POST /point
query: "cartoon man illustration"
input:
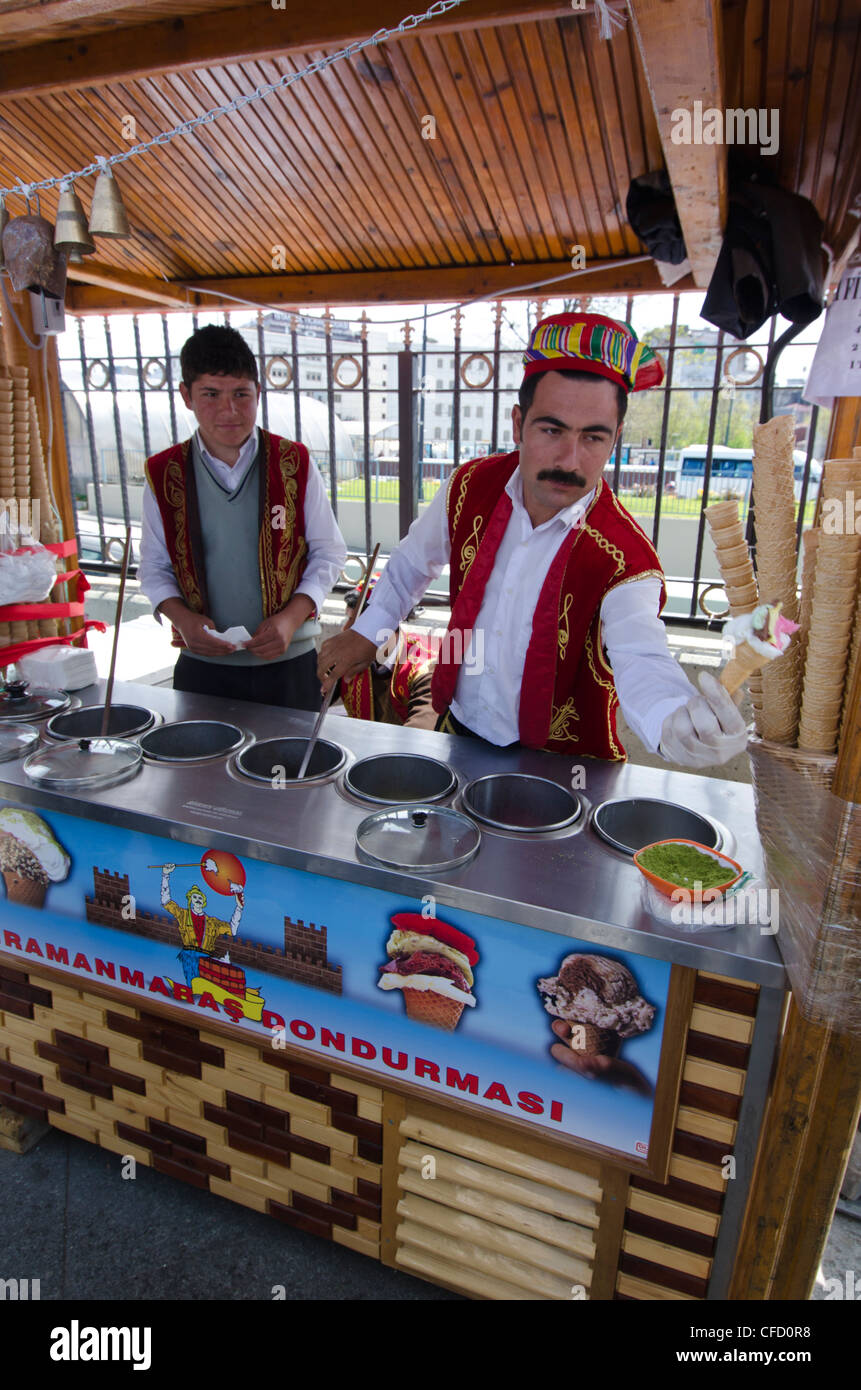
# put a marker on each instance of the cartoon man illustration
(197, 931)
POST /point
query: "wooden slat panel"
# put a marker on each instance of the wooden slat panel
(568, 1235)
(674, 1213)
(499, 1156)
(692, 1194)
(725, 994)
(529, 1194)
(667, 1255)
(492, 1237)
(514, 1273)
(642, 1289)
(710, 1126)
(700, 1174)
(708, 1099)
(713, 1075)
(717, 1023)
(666, 1231)
(670, 1278)
(454, 1276)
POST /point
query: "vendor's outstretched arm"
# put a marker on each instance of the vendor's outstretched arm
(420, 557)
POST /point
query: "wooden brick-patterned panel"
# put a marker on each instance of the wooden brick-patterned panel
(300, 1143)
(671, 1229)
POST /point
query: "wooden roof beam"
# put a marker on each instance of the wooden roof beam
(457, 284)
(232, 36)
(158, 294)
(680, 48)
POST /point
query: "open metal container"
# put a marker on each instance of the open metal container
(629, 824)
(124, 721)
(515, 801)
(396, 779)
(276, 761)
(191, 741)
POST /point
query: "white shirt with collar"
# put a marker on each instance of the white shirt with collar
(326, 549)
(649, 682)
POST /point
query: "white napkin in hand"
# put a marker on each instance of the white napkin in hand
(236, 636)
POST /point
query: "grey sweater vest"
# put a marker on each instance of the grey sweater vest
(230, 533)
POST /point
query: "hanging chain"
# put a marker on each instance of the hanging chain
(440, 7)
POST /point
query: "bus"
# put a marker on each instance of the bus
(732, 471)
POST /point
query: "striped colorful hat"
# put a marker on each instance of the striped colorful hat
(592, 343)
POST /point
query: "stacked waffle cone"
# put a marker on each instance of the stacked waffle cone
(833, 610)
(736, 570)
(776, 564)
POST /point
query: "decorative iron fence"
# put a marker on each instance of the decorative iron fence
(387, 423)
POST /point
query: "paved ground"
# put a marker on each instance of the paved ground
(85, 1233)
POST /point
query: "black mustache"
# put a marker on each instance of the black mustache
(559, 475)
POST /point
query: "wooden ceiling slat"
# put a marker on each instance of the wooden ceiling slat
(845, 190)
(753, 53)
(300, 208)
(533, 93)
(405, 163)
(593, 142)
(629, 144)
(793, 115)
(586, 224)
(506, 128)
(527, 133)
(189, 170)
(835, 100)
(426, 74)
(602, 57)
(448, 57)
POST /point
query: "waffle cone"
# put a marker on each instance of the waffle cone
(596, 1042)
(29, 892)
(436, 1010)
(781, 689)
(741, 664)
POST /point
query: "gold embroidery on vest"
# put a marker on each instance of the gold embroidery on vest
(560, 721)
(175, 496)
(564, 634)
(604, 544)
(469, 551)
(461, 496)
(605, 685)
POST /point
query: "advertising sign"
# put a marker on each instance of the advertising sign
(555, 1032)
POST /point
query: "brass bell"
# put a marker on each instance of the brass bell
(107, 214)
(71, 233)
(4, 218)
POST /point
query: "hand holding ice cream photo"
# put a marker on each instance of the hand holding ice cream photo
(597, 1004)
(760, 637)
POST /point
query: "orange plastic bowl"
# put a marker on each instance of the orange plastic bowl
(734, 870)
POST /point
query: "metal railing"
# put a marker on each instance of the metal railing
(386, 424)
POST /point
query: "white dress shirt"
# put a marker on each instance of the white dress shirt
(326, 549)
(649, 682)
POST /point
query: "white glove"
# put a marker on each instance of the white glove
(707, 730)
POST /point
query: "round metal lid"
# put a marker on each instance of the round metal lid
(16, 740)
(124, 721)
(395, 778)
(191, 740)
(277, 760)
(632, 823)
(86, 765)
(517, 801)
(19, 700)
(420, 839)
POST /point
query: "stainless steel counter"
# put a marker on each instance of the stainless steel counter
(569, 882)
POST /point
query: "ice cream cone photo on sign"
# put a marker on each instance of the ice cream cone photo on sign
(31, 858)
(431, 962)
(596, 1004)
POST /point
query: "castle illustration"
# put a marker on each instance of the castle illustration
(303, 958)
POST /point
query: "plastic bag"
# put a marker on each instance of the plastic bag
(27, 569)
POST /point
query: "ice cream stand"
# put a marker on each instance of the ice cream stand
(598, 1101)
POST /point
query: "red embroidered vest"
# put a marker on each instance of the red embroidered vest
(414, 655)
(282, 548)
(568, 700)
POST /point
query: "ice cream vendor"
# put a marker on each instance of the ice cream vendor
(555, 590)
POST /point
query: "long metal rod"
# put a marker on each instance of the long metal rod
(110, 686)
(318, 722)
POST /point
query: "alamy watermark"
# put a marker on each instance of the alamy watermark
(19, 514)
(735, 126)
(713, 907)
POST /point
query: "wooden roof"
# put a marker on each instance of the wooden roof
(540, 126)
